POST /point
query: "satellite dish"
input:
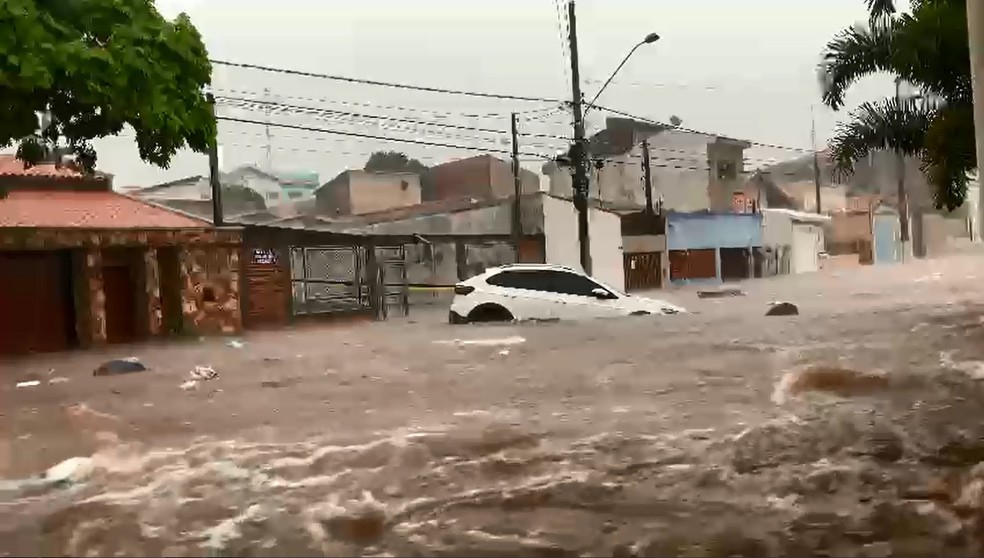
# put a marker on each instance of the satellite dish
(675, 121)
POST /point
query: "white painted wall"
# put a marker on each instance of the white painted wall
(560, 232)
(807, 244)
(607, 263)
(561, 243)
(265, 186)
(777, 228)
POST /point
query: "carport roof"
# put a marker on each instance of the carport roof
(100, 209)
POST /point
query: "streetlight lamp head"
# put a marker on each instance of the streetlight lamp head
(651, 38)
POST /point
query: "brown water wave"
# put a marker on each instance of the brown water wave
(889, 470)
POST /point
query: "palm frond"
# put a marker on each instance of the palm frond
(855, 53)
(880, 8)
(927, 48)
(931, 49)
(949, 154)
(890, 125)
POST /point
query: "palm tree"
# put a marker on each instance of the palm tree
(927, 48)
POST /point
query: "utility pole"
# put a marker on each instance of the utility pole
(648, 174)
(579, 149)
(213, 173)
(517, 217)
(902, 195)
(816, 156)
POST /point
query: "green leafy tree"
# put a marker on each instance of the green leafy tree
(394, 161)
(93, 67)
(929, 49)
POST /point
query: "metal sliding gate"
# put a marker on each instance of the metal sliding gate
(335, 279)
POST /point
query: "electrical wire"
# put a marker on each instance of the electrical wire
(307, 111)
(435, 113)
(426, 158)
(445, 91)
(372, 136)
(299, 108)
(699, 132)
(394, 85)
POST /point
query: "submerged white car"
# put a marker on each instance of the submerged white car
(544, 292)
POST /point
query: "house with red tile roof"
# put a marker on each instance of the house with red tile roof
(82, 265)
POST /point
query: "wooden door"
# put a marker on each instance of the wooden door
(119, 286)
(702, 264)
(530, 251)
(267, 294)
(36, 303)
(642, 271)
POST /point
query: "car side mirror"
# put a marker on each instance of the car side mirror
(601, 293)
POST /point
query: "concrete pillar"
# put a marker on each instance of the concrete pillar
(975, 31)
(717, 263)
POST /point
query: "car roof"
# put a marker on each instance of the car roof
(530, 266)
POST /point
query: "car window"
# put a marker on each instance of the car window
(563, 282)
(531, 280)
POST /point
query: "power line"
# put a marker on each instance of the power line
(445, 91)
(304, 110)
(435, 113)
(434, 159)
(373, 137)
(417, 131)
(656, 84)
(385, 117)
(699, 132)
(393, 85)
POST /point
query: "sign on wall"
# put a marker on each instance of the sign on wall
(264, 256)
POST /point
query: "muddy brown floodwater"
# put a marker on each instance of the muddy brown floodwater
(854, 429)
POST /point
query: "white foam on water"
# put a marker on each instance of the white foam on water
(495, 342)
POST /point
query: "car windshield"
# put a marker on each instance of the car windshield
(617, 292)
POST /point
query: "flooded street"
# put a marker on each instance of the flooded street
(853, 429)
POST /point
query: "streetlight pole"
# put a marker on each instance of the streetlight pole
(579, 150)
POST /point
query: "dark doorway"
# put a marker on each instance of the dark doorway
(120, 288)
(168, 265)
(734, 264)
(37, 305)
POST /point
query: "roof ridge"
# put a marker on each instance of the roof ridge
(164, 207)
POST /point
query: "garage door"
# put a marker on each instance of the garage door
(693, 264)
(35, 302)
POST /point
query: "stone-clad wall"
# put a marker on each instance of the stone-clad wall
(97, 298)
(210, 290)
(208, 267)
(155, 312)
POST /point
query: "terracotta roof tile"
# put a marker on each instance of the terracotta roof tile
(12, 166)
(88, 210)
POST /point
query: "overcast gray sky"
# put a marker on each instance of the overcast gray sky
(743, 69)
